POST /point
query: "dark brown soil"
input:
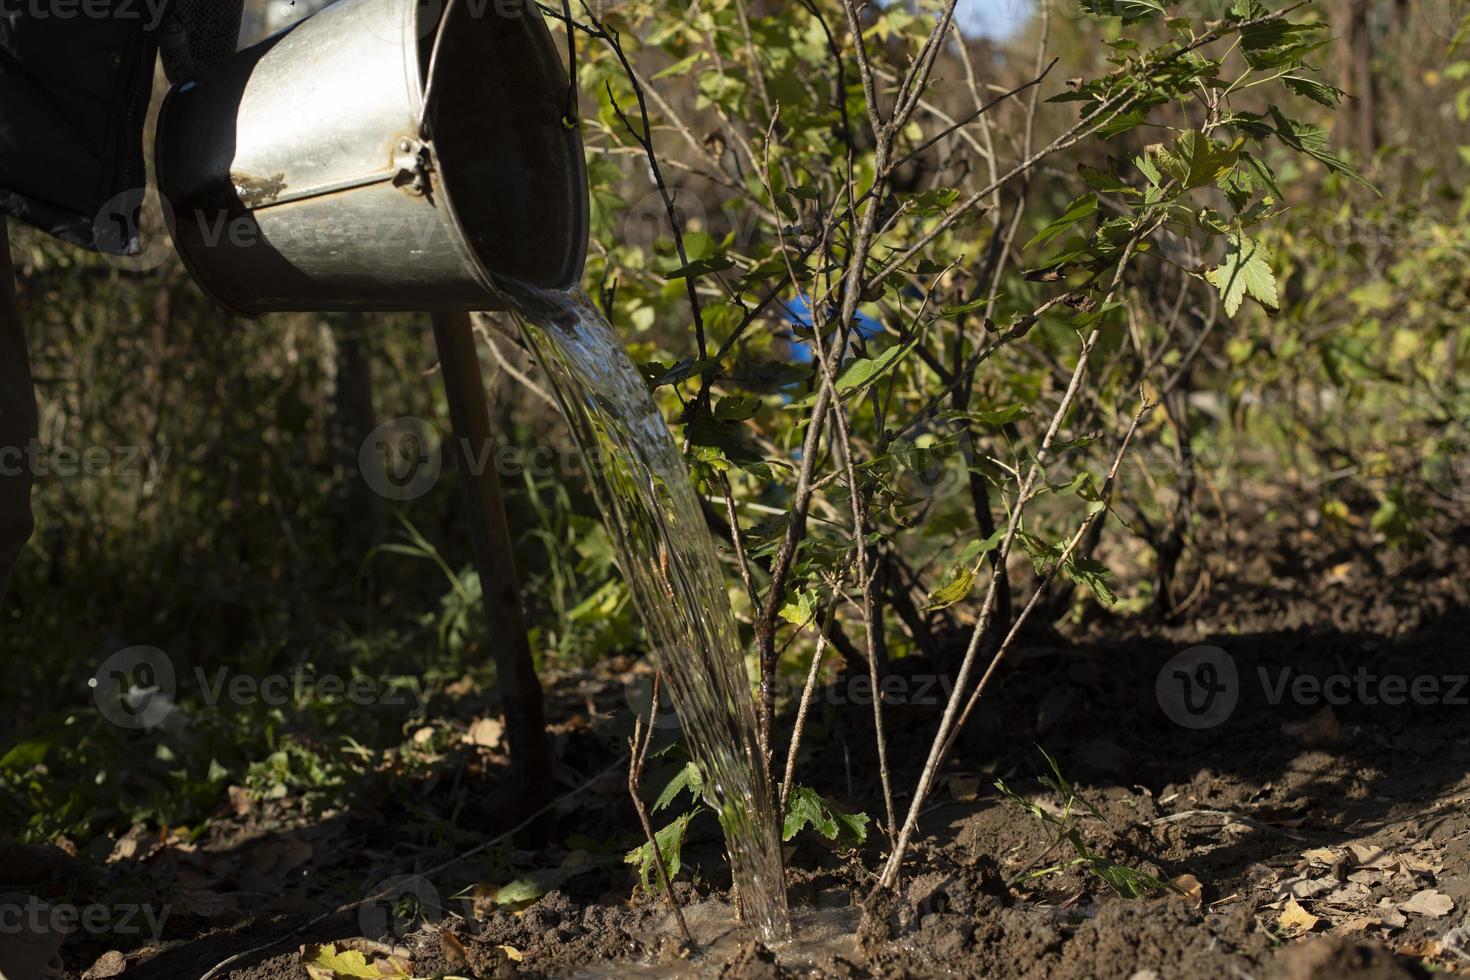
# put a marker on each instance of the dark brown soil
(1306, 839)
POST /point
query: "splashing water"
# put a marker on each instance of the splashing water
(668, 557)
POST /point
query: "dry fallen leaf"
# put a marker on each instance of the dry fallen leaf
(1429, 903)
(1190, 889)
(1391, 916)
(1370, 856)
(1351, 893)
(1321, 727)
(1295, 920)
(486, 732)
(241, 802)
(109, 964)
(1305, 887)
(1321, 855)
(453, 950)
(1358, 923)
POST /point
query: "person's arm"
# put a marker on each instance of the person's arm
(17, 422)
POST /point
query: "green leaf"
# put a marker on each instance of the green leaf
(670, 846)
(1129, 10)
(950, 312)
(800, 611)
(984, 546)
(1094, 574)
(1311, 88)
(1004, 415)
(1312, 140)
(656, 375)
(1076, 211)
(686, 778)
(529, 887)
(1196, 160)
(809, 808)
(956, 589)
(681, 67)
(701, 267)
(736, 408)
(1245, 271)
(1277, 43)
(860, 373)
(934, 201)
(1123, 122)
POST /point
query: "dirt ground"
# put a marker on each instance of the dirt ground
(1305, 839)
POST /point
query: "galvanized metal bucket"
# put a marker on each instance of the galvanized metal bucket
(379, 156)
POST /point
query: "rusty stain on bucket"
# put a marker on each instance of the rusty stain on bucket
(258, 192)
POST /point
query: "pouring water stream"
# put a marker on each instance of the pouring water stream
(666, 553)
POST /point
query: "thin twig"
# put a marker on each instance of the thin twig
(637, 757)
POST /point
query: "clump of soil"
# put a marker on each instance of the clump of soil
(1340, 958)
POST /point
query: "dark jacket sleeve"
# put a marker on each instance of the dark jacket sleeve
(75, 81)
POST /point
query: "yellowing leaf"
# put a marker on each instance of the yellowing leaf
(957, 589)
(1295, 920)
(1190, 889)
(1245, 271)
(329, 963)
